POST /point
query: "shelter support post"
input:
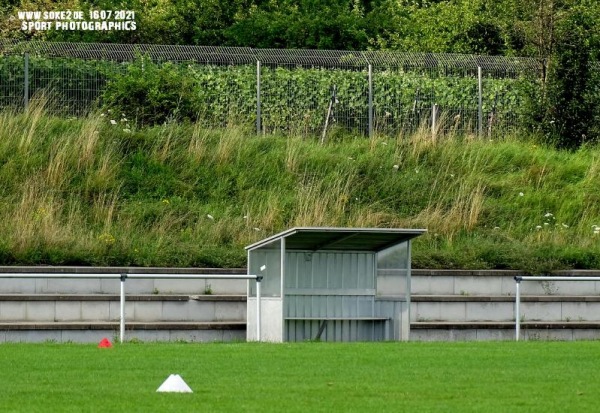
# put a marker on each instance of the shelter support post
(258, 302)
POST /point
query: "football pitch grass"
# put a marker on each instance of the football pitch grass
(303, 377)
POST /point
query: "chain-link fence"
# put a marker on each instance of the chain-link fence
(299, 91)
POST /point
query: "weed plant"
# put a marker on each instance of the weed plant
(98, 191)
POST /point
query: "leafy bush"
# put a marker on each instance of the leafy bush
(152, 93)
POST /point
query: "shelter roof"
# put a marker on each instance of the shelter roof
(340, 239)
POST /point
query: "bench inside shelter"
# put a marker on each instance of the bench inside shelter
(332, 284)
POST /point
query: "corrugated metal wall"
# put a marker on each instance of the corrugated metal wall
(331, 284)
(330, 270)
(345, 330)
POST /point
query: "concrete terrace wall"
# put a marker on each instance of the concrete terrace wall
(88, 309)
(497, 282)
(445, 305)
(480, 305)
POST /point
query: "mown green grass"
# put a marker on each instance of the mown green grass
(90, 192)
(327, 377)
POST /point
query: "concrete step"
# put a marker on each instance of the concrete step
(93, 332)
(498, 282)
(504, 298)
(459, 308)
(113, 286)
(106, 307)
(474, 331)
(105, 325)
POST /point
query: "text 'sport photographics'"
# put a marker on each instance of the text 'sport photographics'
(75, 20)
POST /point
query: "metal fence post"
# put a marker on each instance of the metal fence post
(258, 114)
(122, 310)
(26, 82)
(370, 101)
(518, 308)
(480, 102)
(434, 110)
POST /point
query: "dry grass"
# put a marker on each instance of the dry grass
(197, 146)
(321, 203)
(85, 191)
(462, 214)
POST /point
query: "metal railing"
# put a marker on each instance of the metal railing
(519, 279)
(286, 90)
(124, 276)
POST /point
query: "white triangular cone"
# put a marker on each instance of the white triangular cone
(174, 384)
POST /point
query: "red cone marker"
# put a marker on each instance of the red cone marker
(105, 343)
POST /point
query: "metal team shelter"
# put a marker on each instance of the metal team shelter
(331, 284)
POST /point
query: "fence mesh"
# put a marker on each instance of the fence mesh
(300, 91)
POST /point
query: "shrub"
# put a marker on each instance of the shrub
(152, 93)
(572, 99)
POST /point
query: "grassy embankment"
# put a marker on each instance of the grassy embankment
(300, 377)
(87, 191)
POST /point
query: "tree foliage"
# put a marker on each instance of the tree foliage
(561, 34)
(573, 97)
(510, 27)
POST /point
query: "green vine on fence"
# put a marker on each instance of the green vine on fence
(293, 99)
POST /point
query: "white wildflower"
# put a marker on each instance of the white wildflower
(113, 122)
(521, 194)
(565, 225)
(547, 214)
(127, 130)
(256, 229)
(538, 227)
(209, 216)
(396, 167)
